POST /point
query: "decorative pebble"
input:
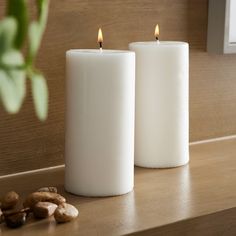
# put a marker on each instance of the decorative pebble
(44, 209)
(9, 200)
(14, 211)
(15, 221)
(48, 189)
(36, 197)
(1, 216)
(43, 203)
(65, 212)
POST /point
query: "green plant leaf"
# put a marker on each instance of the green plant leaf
(18, 10)
(12, 81)
(37, 28)
(34, 39)
(12, 58)
(13, 69)
(8, 28)
(43, 12)
(19, 79)
(40, 96)
(12, 89)
(8, 95)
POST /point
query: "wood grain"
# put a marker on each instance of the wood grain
(196, 199)
(219, 223)
(26, 144)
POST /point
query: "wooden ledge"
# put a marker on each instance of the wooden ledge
(199, 198)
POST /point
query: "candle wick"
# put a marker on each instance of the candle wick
(157, 39)
(100, 45)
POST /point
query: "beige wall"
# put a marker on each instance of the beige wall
(25, 143)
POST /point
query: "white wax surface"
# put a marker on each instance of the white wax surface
(162, 111)
(100, 122)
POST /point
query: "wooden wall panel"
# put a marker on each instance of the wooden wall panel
(26, 143)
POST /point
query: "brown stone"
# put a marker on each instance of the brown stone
(9, 200)
(48, 189)
(15, 221)
(17, 210)
(1, 216)
(65, 212)
(44, 209)
(36, 197)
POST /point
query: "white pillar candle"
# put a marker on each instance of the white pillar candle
(100, 122)
(162, 112)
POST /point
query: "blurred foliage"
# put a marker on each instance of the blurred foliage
(16, 31)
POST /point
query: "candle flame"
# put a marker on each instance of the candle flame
(100, 37)
(157, 32)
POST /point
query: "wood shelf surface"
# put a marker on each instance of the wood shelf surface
(194, 198)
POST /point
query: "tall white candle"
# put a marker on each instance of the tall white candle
(100, 122)
(162, 111)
